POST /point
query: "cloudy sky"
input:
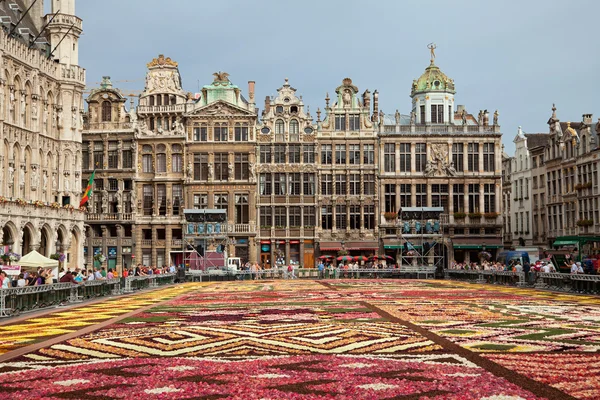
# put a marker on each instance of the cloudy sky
(515, 56)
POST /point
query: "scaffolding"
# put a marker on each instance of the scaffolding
(205, 239)
(422, 237)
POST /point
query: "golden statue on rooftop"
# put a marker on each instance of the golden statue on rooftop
(432, 47)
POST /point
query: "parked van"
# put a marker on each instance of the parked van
(509, 257)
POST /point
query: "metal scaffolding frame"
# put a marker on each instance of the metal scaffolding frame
(422, 236)
(210, 227)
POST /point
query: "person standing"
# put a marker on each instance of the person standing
(321, 269)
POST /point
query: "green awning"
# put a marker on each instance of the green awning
(399, 246)
(565, 243)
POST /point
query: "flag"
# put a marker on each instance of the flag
(88, 190)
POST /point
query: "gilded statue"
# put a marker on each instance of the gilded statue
(432, 47)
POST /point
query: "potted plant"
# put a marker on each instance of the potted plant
(585, 222)
(459, 215)
(342, 252)
(475, 215)
(100, 257)
(390, 216)
(491, 215)
(58, 256)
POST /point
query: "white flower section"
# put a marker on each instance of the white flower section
(271, 376)
(71, 382)
(461, 375)
(161, 390)
(502, 397)
(356, 365)
(181, 368)
(377, 386)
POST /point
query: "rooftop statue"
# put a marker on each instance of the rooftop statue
(221, 76)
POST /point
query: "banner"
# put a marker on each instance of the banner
(13, 270)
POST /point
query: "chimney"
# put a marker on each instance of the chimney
(460, 108)
(587, 119)
(375, 106)
(267, 104)
(251, 91)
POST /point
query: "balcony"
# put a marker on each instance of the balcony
(241, 228)
(172, 108)
(146, 242)
(106, 126)
(176, 243)
(64, 19)
(109, 217)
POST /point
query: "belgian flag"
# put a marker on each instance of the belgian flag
(88, 190)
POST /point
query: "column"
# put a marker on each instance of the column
(498, 192)
(480, 152)
(466, 198)
(413, 195)
(168, 241)
(302, 255)
(412, 158)
(397, 157)
(137, 248)
(429, 195)
(450, 198)
(154, 239)
(287, 251)
(481, 202)
(397, 191)
(119, 265)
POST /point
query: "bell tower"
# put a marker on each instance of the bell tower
(68, 26)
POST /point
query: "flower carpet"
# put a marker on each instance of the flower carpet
(345, 339)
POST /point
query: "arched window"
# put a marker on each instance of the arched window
(294, 127)
(106, 111)
(279, 126)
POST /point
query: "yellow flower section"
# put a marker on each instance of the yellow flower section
(34, 330)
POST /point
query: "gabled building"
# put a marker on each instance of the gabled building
(521, 204)
(287, 181)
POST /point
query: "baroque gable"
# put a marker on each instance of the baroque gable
(220, 109)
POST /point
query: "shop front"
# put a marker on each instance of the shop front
(362, 250)
(469, 250)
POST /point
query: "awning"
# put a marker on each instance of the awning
(565, 243)
(400, 246)
(328, 246)
(477, 246)
(477, 243)
(361, 245)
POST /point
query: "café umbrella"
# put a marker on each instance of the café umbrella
(325, 257)
(345, 258)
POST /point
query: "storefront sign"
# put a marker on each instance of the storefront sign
(265, 247)
(112, 252)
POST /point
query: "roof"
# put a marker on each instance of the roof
(27, 30)
(433, 79)
(536, 140)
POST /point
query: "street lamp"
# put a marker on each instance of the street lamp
(9, 243)
(58, 245)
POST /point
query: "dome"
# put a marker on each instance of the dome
(432, 80)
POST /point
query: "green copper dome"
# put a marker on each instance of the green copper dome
(432, 80)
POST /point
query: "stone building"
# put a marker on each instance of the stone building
(521, 204)
(348, 165)
(108, 149)
(536, 144)
(220, 152)
(287, 181)
(158, 189)
(507, 164)
(41, 101)
(442, 156)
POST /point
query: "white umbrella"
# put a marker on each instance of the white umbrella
(35, 259)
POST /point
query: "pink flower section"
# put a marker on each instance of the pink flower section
(297, 377)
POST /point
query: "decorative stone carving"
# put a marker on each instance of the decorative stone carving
(35, 180)
(119, 199)
(22, 176)
(11, 175)
(104, 201)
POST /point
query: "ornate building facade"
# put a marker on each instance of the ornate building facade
(287, 181)
(41, 101)
(442, 156)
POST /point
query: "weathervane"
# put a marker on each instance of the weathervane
(432, 47)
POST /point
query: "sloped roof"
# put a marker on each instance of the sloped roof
(536, 139)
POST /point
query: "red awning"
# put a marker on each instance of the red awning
(362, 245)
(265, 242)
(328, 246)
(294, 241)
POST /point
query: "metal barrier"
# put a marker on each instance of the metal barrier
(487, 276)
(16, 300)
(577, 283)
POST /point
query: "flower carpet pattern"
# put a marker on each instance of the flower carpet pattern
(359, 339)
(33, 330)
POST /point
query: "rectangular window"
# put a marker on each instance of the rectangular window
(220, 133)
(309, 217)
(354, 184)
(113, 184)
(326, 217)
(177, 198)
(127, 159)
(422, 120)
(200, 134)
(294, 153)
(200, 201)
(405, 195)
(161, 162)
(458, 197)
(326, 184)
(405, 157)
(85, 159)
(340, 185)
(421, 190)
(340, 216)
(280, 154)
(437, 114)
(354, 122)
(309, 184)
(473, 157)
(147, 163)
(221, 201)
(241, 133)
(148, 194)
(265, 154)
(280, 217)
(369, 154)
(266, 217)
(458, 150)
(489, 164)
(98, 155)
(177, 162)
(369, 184)
(369, 217)
(241, 166)
(241, 208)
(340, 122)
(420, 156)
(265, 184)
(113, 155)
(279, 184)
(474, 198)
(161, 198)
(326, 154)
(340, 154)
(354, 217)
(221, 166)
(308, 151)
(389, 157)
(390, 197)
(295, 217)
(294, 184)
(439, 196)
(489, 198)
(354, 154)
(200, 166)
